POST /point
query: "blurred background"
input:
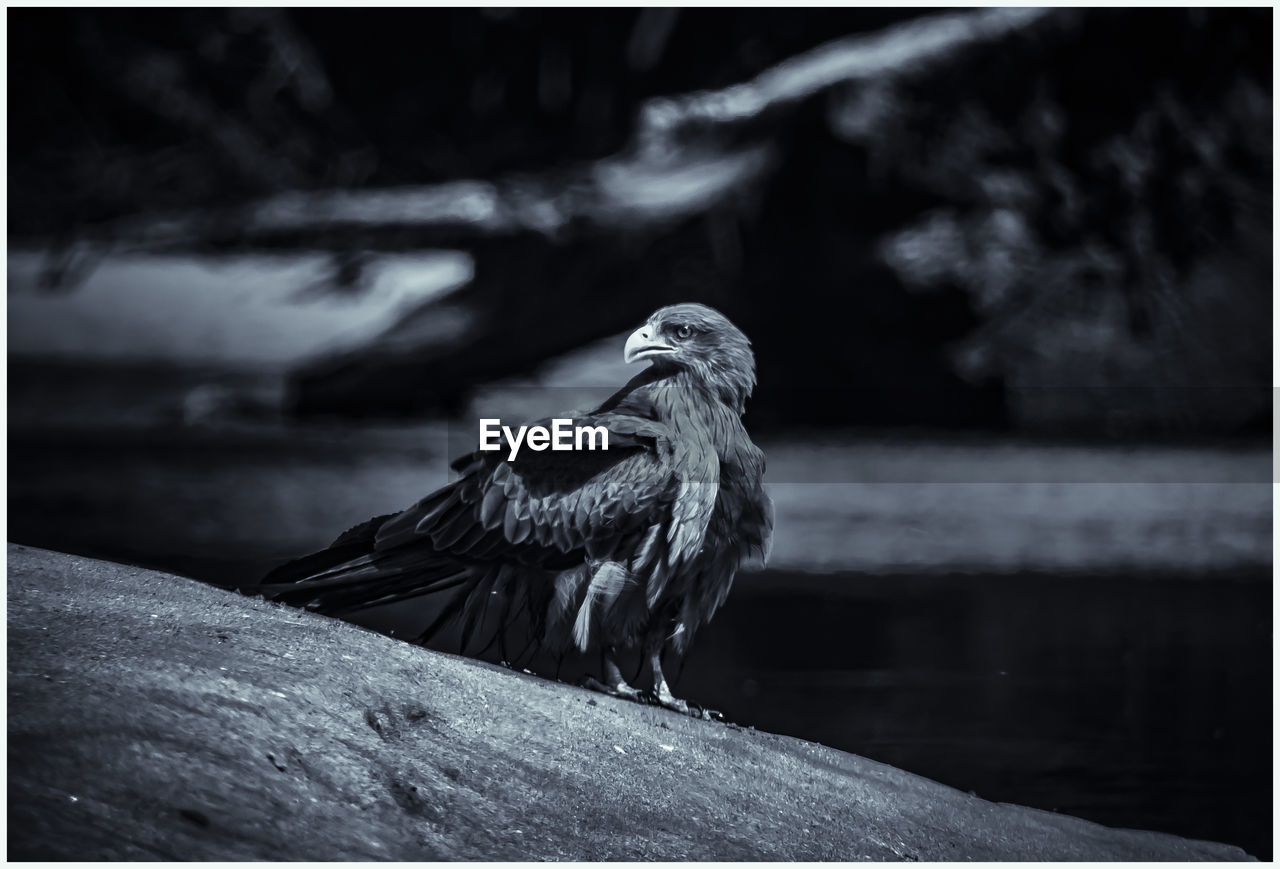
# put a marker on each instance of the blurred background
(1008, 274)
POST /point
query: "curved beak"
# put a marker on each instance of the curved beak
(642, 344)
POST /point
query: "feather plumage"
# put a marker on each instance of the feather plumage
(634, 546)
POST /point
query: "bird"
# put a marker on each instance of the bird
(632, 548)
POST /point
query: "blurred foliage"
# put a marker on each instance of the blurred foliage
(1078, 222)
(1106, 210)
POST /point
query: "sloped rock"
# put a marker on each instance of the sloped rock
(156, 717)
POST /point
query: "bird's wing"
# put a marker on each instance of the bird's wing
(536, 534)
(547, 509)
(509, 536)
(527, 533)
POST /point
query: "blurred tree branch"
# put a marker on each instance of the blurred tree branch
(912, 48)
(687, 180)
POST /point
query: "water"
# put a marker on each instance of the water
(1134, 701)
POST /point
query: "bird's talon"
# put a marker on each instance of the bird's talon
(668, 700)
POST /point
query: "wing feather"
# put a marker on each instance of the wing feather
(618, 540)
(546, 506)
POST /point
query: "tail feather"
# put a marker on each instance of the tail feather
(368, 580)
(301, 569)
(439, 585)
(352, 575)
(360, 570)
(476, 607)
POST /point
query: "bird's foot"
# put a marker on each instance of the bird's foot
(622, 689)
(661, 697)
(664, 698)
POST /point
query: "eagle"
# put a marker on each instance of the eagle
(630, 549)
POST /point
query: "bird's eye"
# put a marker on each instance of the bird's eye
(684, 331)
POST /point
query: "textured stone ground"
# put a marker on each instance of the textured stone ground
(153, 717)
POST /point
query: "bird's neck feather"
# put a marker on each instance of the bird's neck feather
(703, 385)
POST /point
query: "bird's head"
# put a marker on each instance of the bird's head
(699, 340)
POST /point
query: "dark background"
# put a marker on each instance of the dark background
(1009, 302)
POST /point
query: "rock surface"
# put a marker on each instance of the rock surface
(154, 717)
